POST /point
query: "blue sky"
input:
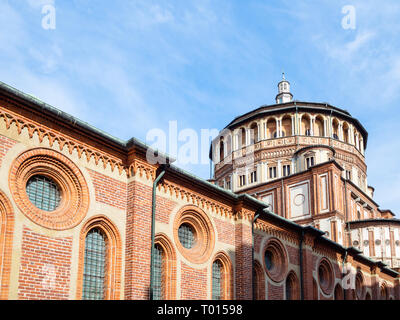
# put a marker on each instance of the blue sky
(130, 66)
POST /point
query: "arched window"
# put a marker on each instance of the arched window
(383, 292)
(315, 290)
(338, 292)
(242, 137)
(258, 282)
(346, 132)
(221, 149)
(164, 276)
(217, 280)
(159, 280)
(360, 289)
(292, 287)
(287, 126)
(335, 129)
(99, 269)
(254, 133)
(319, 127)
(271, 128)
(94, 272)
(6, 232)
(221, 278)
(305, 125)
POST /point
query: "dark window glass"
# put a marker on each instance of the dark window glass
(43, 192)
(94, 268)
(268, 260)
(158, 285)
(216, 280)
(186, 236)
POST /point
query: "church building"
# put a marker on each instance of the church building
(288, 214)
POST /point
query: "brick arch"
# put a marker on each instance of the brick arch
(338, 292)
(227, 275)
(292, 284)
(258, 282)
(113, 256)
(169, 265)
(6, 234)
(65, 173)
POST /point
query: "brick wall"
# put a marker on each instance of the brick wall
(108, 190)
(225, 231)
(293, 255)
(138, 241)
(164, 209)
(243, 255)
(5, 145)
(44, 272)
(275, 292)
(193, 283)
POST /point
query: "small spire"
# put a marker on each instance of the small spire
(284, 94)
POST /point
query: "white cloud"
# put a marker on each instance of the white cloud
(40, 3)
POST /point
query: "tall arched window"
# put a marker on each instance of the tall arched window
(319, 127)
(254, 133)
(99, 269)
(158, 293)
(338, 292)
(6, 232)
(164, 285)
(94, 272)
(271, 128)
(221, 278)
(221, 149)
(286, 126)
(258, 282)
(292, 287)
(315, 290)
(217, 280)
(305, 125)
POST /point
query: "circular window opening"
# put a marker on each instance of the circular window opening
(275, 260)
(359, 286)
(187, 236)
(43, 193)
(325, 275)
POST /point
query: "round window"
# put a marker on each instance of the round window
(43, 193)
(49, 189)
(325, 275)
(275, 260)
(187, 236)
(194, 234)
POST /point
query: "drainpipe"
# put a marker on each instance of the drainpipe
(301, 265)
(344, 261)
(252, 253)
(153, 222)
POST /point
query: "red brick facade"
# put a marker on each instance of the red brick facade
(47, 249)
(44, 271)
